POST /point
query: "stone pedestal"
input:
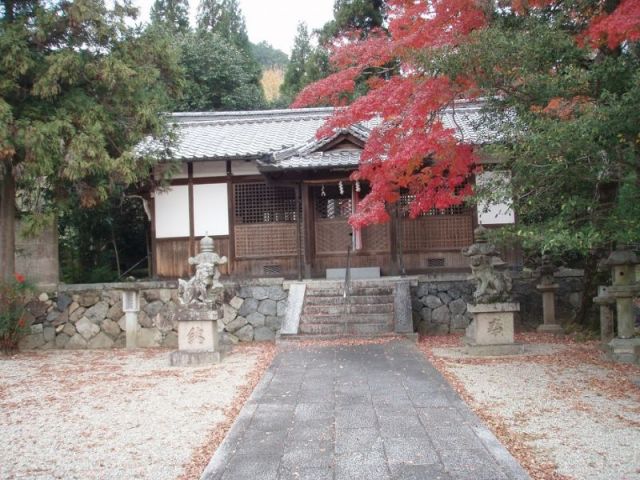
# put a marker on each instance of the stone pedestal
(550, 324)
(491, 331)
(198, 341)
(625, 350)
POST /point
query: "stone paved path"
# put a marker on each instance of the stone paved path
(358, 412)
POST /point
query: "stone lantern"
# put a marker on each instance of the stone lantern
(624, 287)
(548, 287)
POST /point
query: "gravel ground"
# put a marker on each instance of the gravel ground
(112, 414)
(565, 411)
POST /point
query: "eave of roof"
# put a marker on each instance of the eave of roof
(313, 161)
(288, 133)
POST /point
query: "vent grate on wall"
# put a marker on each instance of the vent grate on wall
(435, 262)
(272, 269)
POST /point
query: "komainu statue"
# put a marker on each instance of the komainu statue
(204, 287)
(492, 284)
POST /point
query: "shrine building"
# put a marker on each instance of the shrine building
(276, 200)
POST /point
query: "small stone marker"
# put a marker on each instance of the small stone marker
(131, 307)
(548, 289)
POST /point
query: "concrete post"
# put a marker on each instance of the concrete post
(131, 307)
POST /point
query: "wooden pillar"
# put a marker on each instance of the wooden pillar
(309, 240)
(191, 210)
(232, 209)
(393, 240)
(297, 189)
(152, 232)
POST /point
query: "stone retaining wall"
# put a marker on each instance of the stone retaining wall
(91, 316)
(440, 304)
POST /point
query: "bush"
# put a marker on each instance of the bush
(13, 296)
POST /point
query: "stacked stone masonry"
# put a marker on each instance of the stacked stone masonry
(81, 317)
(90, 316)
(440, 305)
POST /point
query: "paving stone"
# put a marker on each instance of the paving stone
(399, 451)
(370, 465)
(309, 457)
(356, 439)
(300, 472)
(356, 417)
(264, 467)
(419, 472)
(401, 426)
(403, 422)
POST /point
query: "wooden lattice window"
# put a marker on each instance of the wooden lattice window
(330, 203)
(261, 203)
(405, 200)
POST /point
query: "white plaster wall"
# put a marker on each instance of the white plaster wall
(181, 172)
(494, 213)
(211, 212)
(172, 212)
(209, 169)
(242, 167)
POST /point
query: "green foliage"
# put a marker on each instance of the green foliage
(268, 56)
(569, 123)
(310, 63)
(225, 18)
(218, 75)
(172, 15)
(13, 294)
(99, 244)
(348, 15)
(295, 77)
(80, 89)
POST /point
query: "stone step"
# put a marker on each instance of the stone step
(344, 329)
(293, 339)
(347, 309)
(353, 300)
(378, 318)
(354, 291)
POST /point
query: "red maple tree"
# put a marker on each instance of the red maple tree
(409, 148)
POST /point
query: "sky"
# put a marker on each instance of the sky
(274, 21)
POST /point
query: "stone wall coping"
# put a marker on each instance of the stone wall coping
(494, 307)
(443, 277)
(84, 287)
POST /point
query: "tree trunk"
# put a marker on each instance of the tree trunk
(7, 221)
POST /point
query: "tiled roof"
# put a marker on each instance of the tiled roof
(285, 134)
(244, 134)
(330, 159)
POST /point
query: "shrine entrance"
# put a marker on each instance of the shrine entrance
(332, 234)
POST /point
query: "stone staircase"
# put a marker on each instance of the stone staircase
(368, 311)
